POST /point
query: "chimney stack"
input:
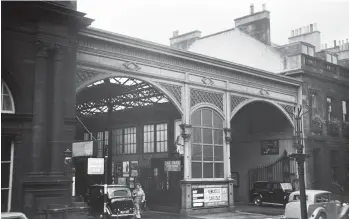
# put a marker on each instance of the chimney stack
(325, 45)
(311, 27)
(334, 43)
(252, 9)
(263, 7)
(175, 33)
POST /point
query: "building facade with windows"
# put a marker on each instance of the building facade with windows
(325, 89)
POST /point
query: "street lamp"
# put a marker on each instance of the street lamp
(300, 157)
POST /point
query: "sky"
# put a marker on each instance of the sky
(155, 20)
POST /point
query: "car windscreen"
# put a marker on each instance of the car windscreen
(286, 186)
(119, 192)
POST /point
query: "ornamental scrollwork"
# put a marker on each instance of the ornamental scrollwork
(175, 90)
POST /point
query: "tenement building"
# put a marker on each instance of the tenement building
(324, 73)
(204, 117)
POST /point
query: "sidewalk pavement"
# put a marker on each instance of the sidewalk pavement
(236, 215)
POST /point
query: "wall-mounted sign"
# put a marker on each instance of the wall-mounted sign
(209, 197)
(269, 147)
(82, 149)
(95, 166)
(172, 165)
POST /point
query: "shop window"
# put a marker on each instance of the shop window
(334, 164)
(149, 139)
(345, 108)
(124, 141)
(6, 174)
(207, 144)
(155, 138)
(329, 108)
(7, 103)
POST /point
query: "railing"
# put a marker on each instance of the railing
(322, 67)
(280, 170)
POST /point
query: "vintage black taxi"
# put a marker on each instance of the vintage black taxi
(119, 202)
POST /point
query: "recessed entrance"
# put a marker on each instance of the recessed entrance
(261, 135)
(140, 127)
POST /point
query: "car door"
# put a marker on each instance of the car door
(324, 200)
(267, 192)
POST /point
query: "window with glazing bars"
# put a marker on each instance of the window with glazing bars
(155, 135)
(207, 144)
(125, 141)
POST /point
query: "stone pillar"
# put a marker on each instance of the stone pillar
(57, 113)
(39, 109)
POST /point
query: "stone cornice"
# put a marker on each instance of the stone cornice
(318, 76)
(114, 38)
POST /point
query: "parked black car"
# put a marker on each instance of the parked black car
(119, 201)
(270, 192)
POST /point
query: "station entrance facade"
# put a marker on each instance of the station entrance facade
(168, 117)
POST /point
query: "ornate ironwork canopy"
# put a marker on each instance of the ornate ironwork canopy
(117, 93)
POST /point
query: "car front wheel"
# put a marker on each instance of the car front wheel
(257, 201)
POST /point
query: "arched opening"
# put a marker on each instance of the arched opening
(207, 145)
(139, 125)
(7, 151)
(261, 135)
(7, 102)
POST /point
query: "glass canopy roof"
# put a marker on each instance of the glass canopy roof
(117, 93)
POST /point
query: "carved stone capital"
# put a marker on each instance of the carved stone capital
(58, 52)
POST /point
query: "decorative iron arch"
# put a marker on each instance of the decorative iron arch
(155, 85)
(209, 106)
(7, 99)
(248, 101)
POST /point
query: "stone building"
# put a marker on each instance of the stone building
(325, 88)
(186, 124)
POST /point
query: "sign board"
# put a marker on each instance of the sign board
(172, 165)
(95, 166)
(209, 197)
(269, 147)
(83, 149)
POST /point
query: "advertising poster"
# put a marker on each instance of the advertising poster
(95, 166)
(118, 169)
(126, 168)
(134, 173)
(209, 197)
(122, 181)
(134, 165)
(172, 165)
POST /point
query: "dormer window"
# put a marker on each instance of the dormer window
(331, 58)
(308, 50)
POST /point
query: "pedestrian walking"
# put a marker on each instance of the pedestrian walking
(139, 199)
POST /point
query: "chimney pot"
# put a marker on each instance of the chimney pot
(300, 31)
(339, 43)
(325, 45)
(175, 33)
(315, 27)
(263, 7)
(311, 27)
(334, 43)
(252, 9)
(292, 33)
